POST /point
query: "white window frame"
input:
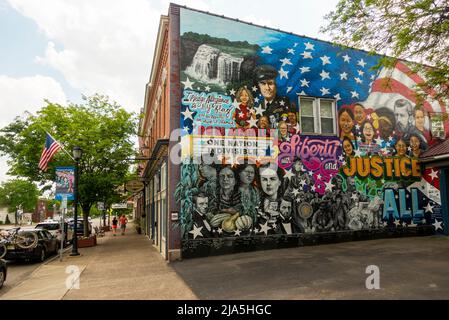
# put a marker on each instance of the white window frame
(316, 104)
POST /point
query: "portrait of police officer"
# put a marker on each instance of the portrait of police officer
(275, 108)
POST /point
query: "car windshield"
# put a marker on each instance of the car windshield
(48, 226)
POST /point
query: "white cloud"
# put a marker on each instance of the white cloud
(20, 94)
(99, 46)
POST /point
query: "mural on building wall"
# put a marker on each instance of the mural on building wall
(284, 134)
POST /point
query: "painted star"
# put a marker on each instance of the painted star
(254, 89)
(313, 188)
(264, 227)
(360, 72)
(309, 46)
(344, 76)
(187, 114)
(358, 153)
(307, 55)
(319, 176)
(259, 110)
(354, 197)
(220, 230)
(337, 97)
(437, 225)
(252, 122)
(285, 61)
(325, 60)
(346, 58)
(433, 174)
(256, 100)
(390, 138)
(283, 73)
(267, 50)
(302, 93)
(310, 173)
(325, 91)
(236, 104)
(295, 192)
(304, 83)
(196, 232)
(354, 94)
(291, 51)
(237, 232)
(282, 103)
(341, 158)
(289, 89)
(358, 80)
(361, 63)
(288, 174)
(232, 92)
(397, 222)
(304, 69)
(429, 208)
(188, 84)
(324, 75)
(186, 129)
(329, 186)
(378, 141)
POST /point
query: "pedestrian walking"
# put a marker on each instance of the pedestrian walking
(123, 222)
(114, 226)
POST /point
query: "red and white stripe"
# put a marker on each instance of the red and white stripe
(47, 154)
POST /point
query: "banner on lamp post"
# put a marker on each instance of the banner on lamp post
(65, 180)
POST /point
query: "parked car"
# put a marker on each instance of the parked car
(54, 228)
(79, 227)
(47, 244)
(3, 272)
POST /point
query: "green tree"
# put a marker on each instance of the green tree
(19, 192)
(416, 30)
(103, 130)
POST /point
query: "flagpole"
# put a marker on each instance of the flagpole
(30, 115)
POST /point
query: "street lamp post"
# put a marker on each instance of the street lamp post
(77, 153)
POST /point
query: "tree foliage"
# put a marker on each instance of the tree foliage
(415, 30)
(19, 192)
(101, 128)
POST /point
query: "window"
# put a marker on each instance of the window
(437, 125)
(317, 116)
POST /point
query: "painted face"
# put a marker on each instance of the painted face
(270, 181)
(268, 88)
(346, 123)
(359, 114)
(385, 129)
(283, 129)
(244, 97)
(247, 175)
(419, 120)
(297, 166)
(402, 117)
(292, 118)
(401, 148)
(347, 147)
(286, 208)
(226, 179)
(202, 204)
(368, 132)
(264, 123)
(414, 143)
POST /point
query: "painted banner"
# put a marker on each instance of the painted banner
(65, 179)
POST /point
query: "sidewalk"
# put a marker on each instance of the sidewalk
(122, 267)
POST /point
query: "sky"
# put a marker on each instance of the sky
(61, 49)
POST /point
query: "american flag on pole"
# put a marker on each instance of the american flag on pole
(50, 148)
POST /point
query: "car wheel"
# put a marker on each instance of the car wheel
(42, 255)
(2, 277)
